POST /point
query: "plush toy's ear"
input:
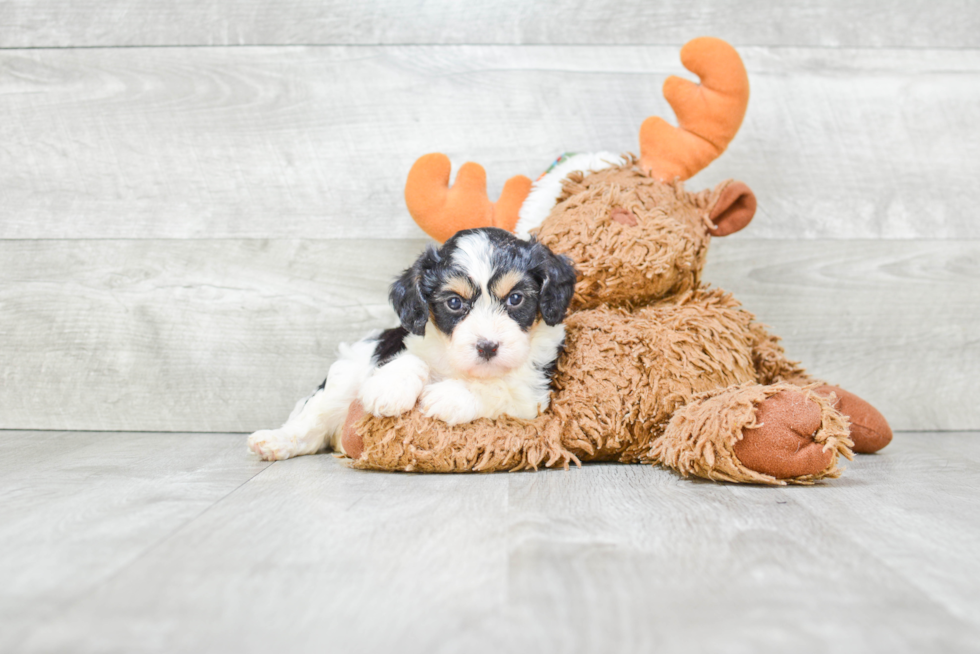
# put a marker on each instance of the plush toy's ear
(732, 209)
(557, 285)
(407, 296)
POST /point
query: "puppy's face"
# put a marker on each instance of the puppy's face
(483, 292)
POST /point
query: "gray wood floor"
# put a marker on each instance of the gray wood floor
(149, 542)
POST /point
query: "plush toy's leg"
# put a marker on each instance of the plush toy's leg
(869, 429)
(351, 442)
(415, 443)
(769, 359)
(773, 434)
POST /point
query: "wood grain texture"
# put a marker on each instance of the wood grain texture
(158, 334)
(208, 335)
(870, 23)
(316, 142)
(80, 507)
(894, 322)
(309, 556)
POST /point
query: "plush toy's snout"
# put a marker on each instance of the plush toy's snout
(623, 216)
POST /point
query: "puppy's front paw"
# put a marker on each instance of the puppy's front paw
(274, 444)
(450, 401)
(394, 388)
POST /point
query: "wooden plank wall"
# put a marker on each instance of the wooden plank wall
(830, 23)
(188, 227)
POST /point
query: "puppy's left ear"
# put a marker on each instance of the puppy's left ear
(557, 285)
(407, 296)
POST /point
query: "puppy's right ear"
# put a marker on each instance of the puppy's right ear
(407, 296)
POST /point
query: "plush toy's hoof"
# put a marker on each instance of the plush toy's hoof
(869, 429)
(351, 440)
(782, 445)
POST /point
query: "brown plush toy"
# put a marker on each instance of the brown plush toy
(658, 368)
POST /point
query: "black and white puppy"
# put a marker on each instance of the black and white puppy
(481, 331)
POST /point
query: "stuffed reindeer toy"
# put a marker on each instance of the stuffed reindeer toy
(657, 367)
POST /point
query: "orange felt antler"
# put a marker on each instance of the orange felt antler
(442, 211)
(709, 113)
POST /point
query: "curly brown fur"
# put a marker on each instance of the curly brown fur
(770, 359)
(622, 376)
(621, 265)
(700, 438)
(415, 443)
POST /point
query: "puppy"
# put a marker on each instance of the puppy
(480, 336)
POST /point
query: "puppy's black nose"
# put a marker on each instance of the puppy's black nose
(487, 349)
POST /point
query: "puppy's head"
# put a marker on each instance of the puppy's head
(484, 292)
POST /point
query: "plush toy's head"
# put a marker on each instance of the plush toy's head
(632, 231)
(634, 239)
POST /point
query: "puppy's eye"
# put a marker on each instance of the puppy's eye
(454, 303)
(515, 299)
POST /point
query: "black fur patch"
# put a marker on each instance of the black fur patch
(390, 343)
(445, 318)
(407, 294)
(557, 283)
(526, 312)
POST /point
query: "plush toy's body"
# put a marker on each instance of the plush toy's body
(657, 368)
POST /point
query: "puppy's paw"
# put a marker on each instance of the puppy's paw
(395, 387)
(274, 444)
(450, 401)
